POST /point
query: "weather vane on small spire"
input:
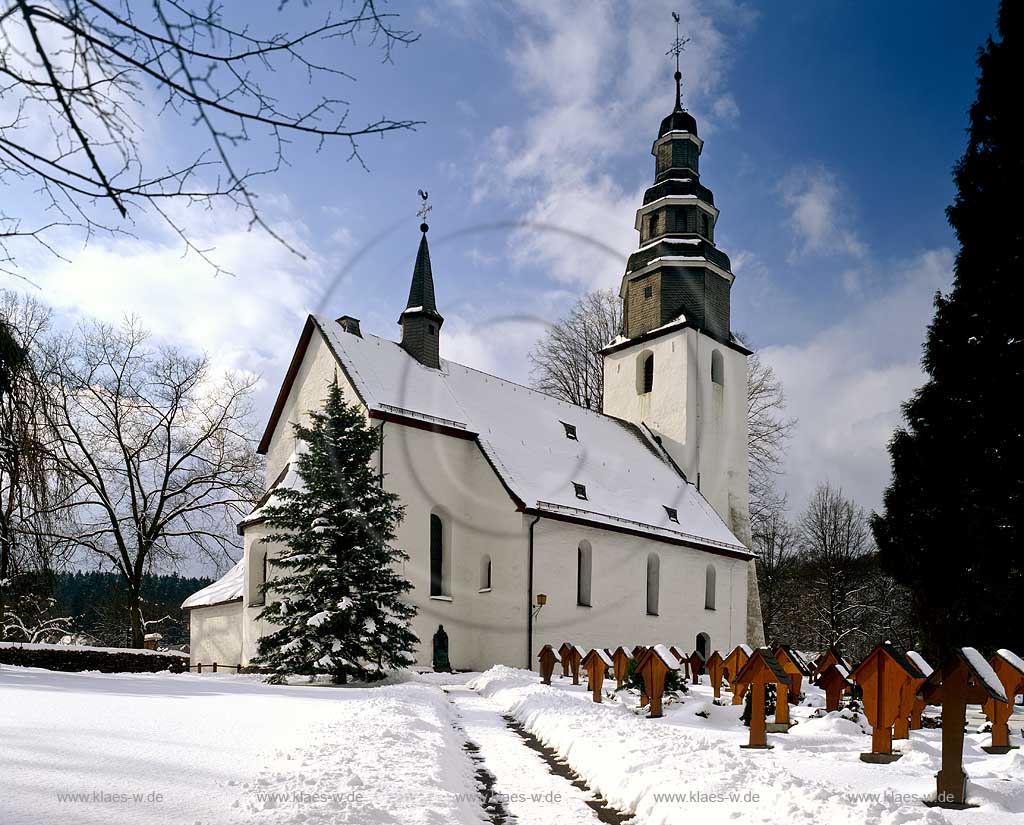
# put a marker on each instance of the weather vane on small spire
(677, 49)
(424, 210)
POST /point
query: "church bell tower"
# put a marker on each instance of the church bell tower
(677, 369)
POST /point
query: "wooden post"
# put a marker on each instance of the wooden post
(653, 665)
(761, 668)
(596, 662)
(714, 668)
(1009, 667)
(548, 657)
(781, 708)
(620, 660)
(563, 656)
(882, 676)
(964, 678)
(199, 667)
(696, 666)
(576, 655)
(214, 667)
(835, 681)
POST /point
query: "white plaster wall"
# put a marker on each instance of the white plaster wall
(618, 611)
(308, 392)
(253, 627)
(215, 634)
(450, 476)
(702, 425)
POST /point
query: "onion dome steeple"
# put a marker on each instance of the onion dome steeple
(420, 320)
(677, 269)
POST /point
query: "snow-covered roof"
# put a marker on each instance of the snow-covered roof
(227, 588)
(289, 479)
(919, 662)
(663, 653)
(627, 478)
(604, 657)
(553, 652)
(983, 671)
(1013, 659)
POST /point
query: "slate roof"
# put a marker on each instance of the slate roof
(421, 290)
(628, 479)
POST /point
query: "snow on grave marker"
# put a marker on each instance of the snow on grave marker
(576, 654)
(964, 678)
(835, 681)
(825, 661)
(881, 677)
(714, 668)
(919, 704)
(684, 660)
(908, 699)
(596, 663)
(653, 664)
(793, 663)
(548, 656)
(1009, 669)
(759, 670)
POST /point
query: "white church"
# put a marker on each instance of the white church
(529, 520)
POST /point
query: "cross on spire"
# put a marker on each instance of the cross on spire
(677, 49)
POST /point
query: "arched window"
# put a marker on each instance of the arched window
(436, 555)
(717, 368)
(709, 587)
(645, 372)
(703, 645)
(653, 583)
(485, 572)
(257, 598)
(584, 565)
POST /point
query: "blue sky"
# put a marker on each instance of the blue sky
(831, 129)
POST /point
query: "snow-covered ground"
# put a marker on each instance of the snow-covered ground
(156, 749)
(685, 768)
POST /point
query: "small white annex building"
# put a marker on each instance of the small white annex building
(633, 523)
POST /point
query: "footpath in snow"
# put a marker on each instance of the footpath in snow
(688, 767)
(523, 784)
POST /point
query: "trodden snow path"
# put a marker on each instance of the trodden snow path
(523, 784)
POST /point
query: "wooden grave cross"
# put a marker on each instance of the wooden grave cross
(620, 661)
(563, 653)
(731, 667)
(714, 668)
(759, 670)
(919, 704)
(1009, 667)
(881, 677)
(548, 656)
(653, 665)
(835, 681)
(596, 663)
(696, 666)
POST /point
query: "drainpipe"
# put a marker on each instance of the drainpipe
(529, 599)
(380, 455)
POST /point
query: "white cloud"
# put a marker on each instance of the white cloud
(820, 216)
(846, 384)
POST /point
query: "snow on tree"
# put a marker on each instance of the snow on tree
(334, 591)
(953, 521)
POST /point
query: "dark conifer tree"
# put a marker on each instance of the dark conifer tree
(335, 592)
(952, 527)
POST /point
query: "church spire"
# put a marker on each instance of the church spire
(420, 321)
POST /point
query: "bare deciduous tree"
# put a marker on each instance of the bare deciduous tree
(567, 361)
(28, 478)
(776, 543)
(80, 80)
(767, 434)
(159, 450)
(836, 555)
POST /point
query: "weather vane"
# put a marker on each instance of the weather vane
(424, 210)
(677, 49)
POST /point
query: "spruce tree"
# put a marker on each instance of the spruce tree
(953, 521)
(334, 592)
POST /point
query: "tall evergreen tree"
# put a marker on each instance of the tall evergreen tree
(953, 521)
(335, 592)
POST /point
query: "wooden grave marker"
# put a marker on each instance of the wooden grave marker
(596, 663)
(919, 704)
(638, 649)
(576, 655)
(759, 670)
(825, 661)
(881, 676)
(563, 653)
(682, 658)
(835, 681)
(653, 665)
(797, 668)
(909, 699)
(548, 656)
(731, 667)
(1009, 667)
(714, 668)
(964, 678)
(696, 662)
(620, 661)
